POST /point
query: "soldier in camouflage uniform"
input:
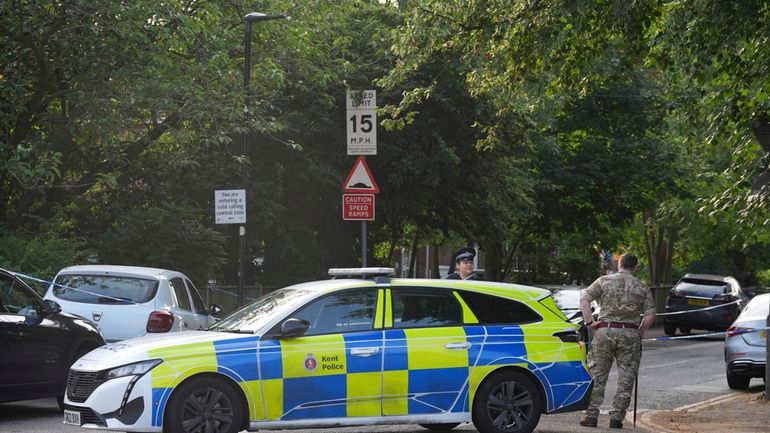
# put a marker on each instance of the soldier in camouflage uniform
(622, 299)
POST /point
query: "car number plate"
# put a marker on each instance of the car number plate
(701, 302)
(72, 417)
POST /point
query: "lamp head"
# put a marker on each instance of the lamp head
(256, 17)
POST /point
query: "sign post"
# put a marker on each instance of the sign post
(359, 189)
(361, 122)
(230, 208)
(358, 207)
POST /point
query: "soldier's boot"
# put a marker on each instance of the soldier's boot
(589, 422)
(616, 423)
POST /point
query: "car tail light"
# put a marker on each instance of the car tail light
(723, 299)
(737, 330)
(160, 321)
(674, 295)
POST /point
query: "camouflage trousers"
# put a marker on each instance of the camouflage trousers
(625, 347)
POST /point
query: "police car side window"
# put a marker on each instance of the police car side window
(421, 308)
(347, 311)
(495, 310)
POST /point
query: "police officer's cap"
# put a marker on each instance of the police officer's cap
(465, 253)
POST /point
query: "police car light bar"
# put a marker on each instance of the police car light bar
(361, 272)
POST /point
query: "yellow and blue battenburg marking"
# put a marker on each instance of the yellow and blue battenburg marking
(375, 373)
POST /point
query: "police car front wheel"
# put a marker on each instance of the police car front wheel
(204, 405)
(507, 402)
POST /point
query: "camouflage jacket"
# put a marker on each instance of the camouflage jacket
(621, 298)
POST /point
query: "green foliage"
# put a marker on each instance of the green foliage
(535, 128)
(763, 278)
(39, 255)
(168, 236)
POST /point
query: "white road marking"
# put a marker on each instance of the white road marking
(667, 364)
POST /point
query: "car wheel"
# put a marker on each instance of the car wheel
(738, 382)
(670, 330)
(440, 427)
(445, 426)
(204, 405)
(507, 402)
(685, 330)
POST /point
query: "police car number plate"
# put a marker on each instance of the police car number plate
(71, 417)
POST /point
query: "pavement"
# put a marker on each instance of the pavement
(736, 412)
(739, 412)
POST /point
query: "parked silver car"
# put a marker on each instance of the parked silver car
(130, 301)
(745, 343)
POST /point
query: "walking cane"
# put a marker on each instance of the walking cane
(636, 380)
(636, 395)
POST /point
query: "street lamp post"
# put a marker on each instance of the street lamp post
(254, 17)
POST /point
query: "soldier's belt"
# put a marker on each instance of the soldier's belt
(623, 325)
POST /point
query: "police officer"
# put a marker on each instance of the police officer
(622, 299)
(464, 265)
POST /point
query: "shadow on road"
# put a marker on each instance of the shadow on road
(29, 409)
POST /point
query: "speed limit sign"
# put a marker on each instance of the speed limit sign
(362, 122)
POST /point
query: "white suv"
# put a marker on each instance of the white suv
(129, 301)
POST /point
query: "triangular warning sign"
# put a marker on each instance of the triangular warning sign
(360, 179)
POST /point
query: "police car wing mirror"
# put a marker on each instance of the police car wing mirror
(294, 328)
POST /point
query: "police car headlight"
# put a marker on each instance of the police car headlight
(136, 369)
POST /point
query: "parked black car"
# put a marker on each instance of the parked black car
(702, 301)
(38, 342)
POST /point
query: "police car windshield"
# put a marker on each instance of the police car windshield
(254, 316)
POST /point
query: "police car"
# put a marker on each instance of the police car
(342, 352)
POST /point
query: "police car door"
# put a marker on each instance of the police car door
(426, 353)
(334, 370)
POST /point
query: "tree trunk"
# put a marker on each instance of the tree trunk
(434, 263)
(413, 258)
(659, 240)
(492, 261)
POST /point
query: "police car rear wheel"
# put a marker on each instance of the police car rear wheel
(204, 405)
(440, 427)
(507, 402)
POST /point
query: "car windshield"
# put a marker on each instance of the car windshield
(704, 287)
(105, 289)
(759, 306)
(255, 315)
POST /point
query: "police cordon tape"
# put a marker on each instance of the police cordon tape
(49, 283)
(249, 298)
(710, 334)
(689, 337)
(101, 295)
(681, 337)
(713, 307)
